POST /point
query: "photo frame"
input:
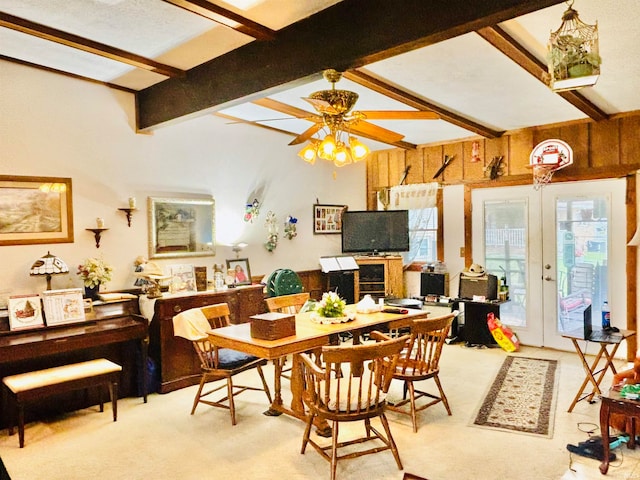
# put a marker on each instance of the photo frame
(25, 311)
(327, 218)
(63, 306)
(24, 198)
(242, 272)
(183, 278)
(181, 227)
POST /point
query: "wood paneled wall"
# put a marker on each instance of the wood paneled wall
(607, 149)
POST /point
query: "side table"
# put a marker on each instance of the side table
(612, 402)
(594, 374)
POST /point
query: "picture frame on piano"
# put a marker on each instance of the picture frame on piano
(25, 311)
(63, 306)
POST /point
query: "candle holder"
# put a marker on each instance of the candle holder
(129, 213)
(97, 233)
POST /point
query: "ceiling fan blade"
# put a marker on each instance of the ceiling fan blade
(306, 135)
(374, 132)
(287, 109)
(321, 106)
(399, 115)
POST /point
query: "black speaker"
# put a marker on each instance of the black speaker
(434, 284)
(485, 286)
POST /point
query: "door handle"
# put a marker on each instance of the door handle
(548, 278)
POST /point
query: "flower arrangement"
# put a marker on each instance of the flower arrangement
(290, 227)
(94, 271)
(331, 305)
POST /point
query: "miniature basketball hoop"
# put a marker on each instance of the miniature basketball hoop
(548, 157)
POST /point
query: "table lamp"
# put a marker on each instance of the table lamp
(48, 265)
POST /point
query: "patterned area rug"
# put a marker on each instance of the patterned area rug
(522, 397)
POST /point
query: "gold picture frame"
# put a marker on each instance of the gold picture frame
(35, 210)
(181, 227)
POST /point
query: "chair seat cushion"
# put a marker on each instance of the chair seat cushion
(354, 403)
(231, 359)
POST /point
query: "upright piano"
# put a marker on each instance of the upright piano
(113, 330)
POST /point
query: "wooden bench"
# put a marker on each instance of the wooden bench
(25, 387)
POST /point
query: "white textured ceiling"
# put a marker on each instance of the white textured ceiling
(465, 75)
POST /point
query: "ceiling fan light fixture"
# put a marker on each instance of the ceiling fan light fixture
(342, 155)
(359, 151)
(327, 147)
(308, 153)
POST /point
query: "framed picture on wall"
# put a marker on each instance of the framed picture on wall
(327, 218)
(35, 210)
(241, 271)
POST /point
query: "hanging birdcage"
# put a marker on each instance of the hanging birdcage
(574, 58)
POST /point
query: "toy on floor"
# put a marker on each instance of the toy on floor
(629, 377)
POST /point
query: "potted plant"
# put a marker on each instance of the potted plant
(94, 272)
(570, 58)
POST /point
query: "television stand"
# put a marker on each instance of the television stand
(378, 276)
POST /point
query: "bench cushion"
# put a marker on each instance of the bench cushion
(52, 376)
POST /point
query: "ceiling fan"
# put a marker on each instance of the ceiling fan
(334, 113)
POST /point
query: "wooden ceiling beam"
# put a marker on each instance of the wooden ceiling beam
(311, 45)
(66, 74)
(506, 44)
(377, 84)
(225, 17)
(74, 41)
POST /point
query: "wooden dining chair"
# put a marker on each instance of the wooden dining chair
(420, 360)
(217, 363)
(357, 393)
(286, 304)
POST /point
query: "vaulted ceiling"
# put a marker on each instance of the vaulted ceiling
(479, 66)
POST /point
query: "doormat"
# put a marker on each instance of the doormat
(522, 397)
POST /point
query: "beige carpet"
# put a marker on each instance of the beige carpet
(161, 441)
(522, 397)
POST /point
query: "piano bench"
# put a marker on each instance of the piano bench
(25, 387)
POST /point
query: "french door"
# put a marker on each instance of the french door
(559, 248)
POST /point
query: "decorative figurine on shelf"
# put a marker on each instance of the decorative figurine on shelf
(290, 227)
(252, 210)
(272, 226)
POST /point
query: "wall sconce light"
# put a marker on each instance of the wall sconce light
(238, 247)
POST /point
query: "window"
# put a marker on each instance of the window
(423, 234)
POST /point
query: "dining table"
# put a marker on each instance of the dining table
(309, 335)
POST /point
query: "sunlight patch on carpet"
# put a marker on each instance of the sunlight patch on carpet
(522, 397)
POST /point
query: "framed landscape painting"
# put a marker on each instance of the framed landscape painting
(35, 210)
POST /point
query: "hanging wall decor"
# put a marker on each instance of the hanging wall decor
(290, 227)
(271, 224)
(251, 210)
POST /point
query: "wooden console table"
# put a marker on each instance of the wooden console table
(113, 330)
(176, 361)
(612, 402)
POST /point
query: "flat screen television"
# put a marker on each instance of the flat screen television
(375, 231)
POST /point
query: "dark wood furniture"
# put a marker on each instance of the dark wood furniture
(612, 402)
(476, 331)
(27, 387)
(176, 361)
(594, 372)
(113, 331)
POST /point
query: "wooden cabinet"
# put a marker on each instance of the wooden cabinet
(176, 362)
(379, 277)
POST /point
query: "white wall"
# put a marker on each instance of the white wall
(56, 126)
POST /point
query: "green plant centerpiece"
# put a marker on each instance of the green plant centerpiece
(331, 309)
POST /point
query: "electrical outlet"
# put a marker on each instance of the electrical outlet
(462, 252)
